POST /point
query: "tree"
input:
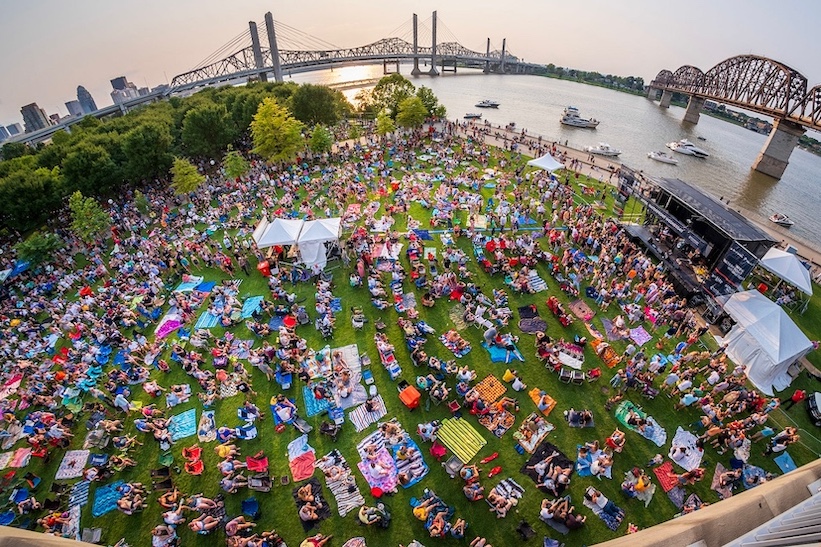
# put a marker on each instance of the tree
(316, 104)
(147, 149)
(276, 134)
(142, 202)
(431, 102)
(389, 92)
(384, 124)
(184, 176)
(321, 139)
(89, 168)
(412, 112)
(29, 195)
(13, 150)
(88, 218)
(235, 164)
(207, 129)
(38, 247)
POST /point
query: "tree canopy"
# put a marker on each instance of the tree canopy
(384, 124)
(412, 112)
(207, 130)
(321, 140)
(235, 164)
(389, 92)
(38, 248)
(184, 176)
(318, 104)
(276, 134)
(88, 218)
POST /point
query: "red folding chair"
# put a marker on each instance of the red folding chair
(438, 451)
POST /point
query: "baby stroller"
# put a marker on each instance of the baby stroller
(330, 429)
(358, 318)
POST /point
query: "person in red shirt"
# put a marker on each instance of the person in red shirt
(797, 397)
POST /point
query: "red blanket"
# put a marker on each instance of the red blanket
(667, 481)
(302, 466)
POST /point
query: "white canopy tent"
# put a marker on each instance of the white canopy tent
(282, 231)
(315, 234)
(764, 340)
(547, 162)
(788, 267)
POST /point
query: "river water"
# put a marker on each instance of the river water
(636, 126)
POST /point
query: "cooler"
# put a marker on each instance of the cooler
(337, 415)
(410, 396)
(264, 268)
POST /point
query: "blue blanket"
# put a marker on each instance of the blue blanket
(423, 234)
(314, 406)
(785, 462)
(207, 321)
(276, 322)
(499, 355)
(749, 472)
(251, 306)
(336, 305)
(183, 425)
(106, 498)
(205, 286)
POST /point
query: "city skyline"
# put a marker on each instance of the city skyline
(151, 42)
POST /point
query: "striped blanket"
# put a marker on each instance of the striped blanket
(460, 438)
(344, 488)
(361, 418)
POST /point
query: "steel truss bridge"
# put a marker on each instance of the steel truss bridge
(753, 83)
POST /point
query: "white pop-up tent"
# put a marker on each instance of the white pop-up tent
(315, 234)
(281, 231)
(547, 162)
(765, 341)
(788, 267)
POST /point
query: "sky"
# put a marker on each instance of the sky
(49, 47)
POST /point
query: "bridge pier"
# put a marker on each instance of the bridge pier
(487, 58)
(502, 65)
(775, 156)
(258, 63)
(415, 71)
(433, 71)
(694, 106)
(388, 62)
(652, 93)
(666, 97)
(446, 64)
(272, 43)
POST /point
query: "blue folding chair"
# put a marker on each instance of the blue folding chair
(250, 507)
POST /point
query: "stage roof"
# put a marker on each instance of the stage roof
(727, 220)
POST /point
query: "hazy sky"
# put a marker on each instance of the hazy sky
(51, 46)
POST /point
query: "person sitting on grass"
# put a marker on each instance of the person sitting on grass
(204, 524)
(473, 491)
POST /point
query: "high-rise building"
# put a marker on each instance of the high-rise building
(14, 129)
(54, 118)
(74, 108)
(86, 100)
(123, 95)
(34, 118)
(4, 134)
(120, 83)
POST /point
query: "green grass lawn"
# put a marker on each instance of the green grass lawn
(278, 508)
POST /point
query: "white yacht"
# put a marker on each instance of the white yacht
(472, 116)
(487, 103)
(603, 149)
(663, 157)
(687, 148)
(782, 220)
(572, 118)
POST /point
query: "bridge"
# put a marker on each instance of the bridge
(753, 83)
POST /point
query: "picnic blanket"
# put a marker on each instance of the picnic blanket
(499, 354)
(536, 283)
(724, 492)
(361, 418)
(106, 498)
(314, 406)
(323, 511)
(79, 494)
(490, 389)
(610, 521)
(692, 458)
(189, 283)
(344, 488)
(457, 316)
(168, 324)
(207, 430)
(453, 347)
(72, 465)
(5, 459)
(498, 422)
(460, 438)
(241, 348)
(749, 473)
(301, 458)
(610, 330)
(580, 309)
(21, 457)
(676, 495)
(645, 495)
(785, 462)
(532, 325)
(536, 396)
(423, 234)
(71, 529)
(652, 432)
(380, 470)
(532, 431)
(640, 336)
(544, 450)
(575, 421)
(207, 320)
(663, 474)
(183, 425)
(251, 306)
(509, 489)
(583, 464)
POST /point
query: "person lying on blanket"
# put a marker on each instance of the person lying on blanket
(581, 418)
(500, 504)
(597, 498)
(616, 440)
(688, 477)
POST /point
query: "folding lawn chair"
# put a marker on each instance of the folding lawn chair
(577, 377)
(261, 482)
(452, 466)
(250, 507)
(525, 530)
(565, 376)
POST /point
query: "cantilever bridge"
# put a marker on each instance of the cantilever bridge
(290, 51)
(753, 83)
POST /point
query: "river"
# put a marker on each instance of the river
(636, 126)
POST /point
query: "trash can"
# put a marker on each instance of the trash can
(264, 268)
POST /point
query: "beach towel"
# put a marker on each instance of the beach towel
(72, 528)
(724, 492)
(380, 469)
(5, 459)
(490, 389)
(532, 431)
(580, 309)
(457, 315)
(241, 349)
(79, 494)
(251, 306)
(692, 458)
(676, 495)
(750, 472)
(106, 498)
(207, 430)
(452, 346)
(183, 425)
(498, 423)
(536, 396)
(543, 451)
(168, 324)
(610, 330)
(21, 457)
(298, 447)
(460, 438)
(189, 283)
(609, 520)
(536, 283)
(336, 305)
(423, 235)
(344, 489)
(785, 462)
(509, 489)
(207, 320)
(276, 322)
(663, 474)
(594, 332)
(645, 495)
(72, 465)
(361, 418)
(301, 458)
(576, 421)
(205, 286)
(500, 355)
(653, 432)
(640, 336)
(314, 406)
(323, 510)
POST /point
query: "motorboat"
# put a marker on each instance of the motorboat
(472, 116)
(487, 103)
(572, 118)
(603, 149)
(687, 148)
(663, 157)
(782, 220)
